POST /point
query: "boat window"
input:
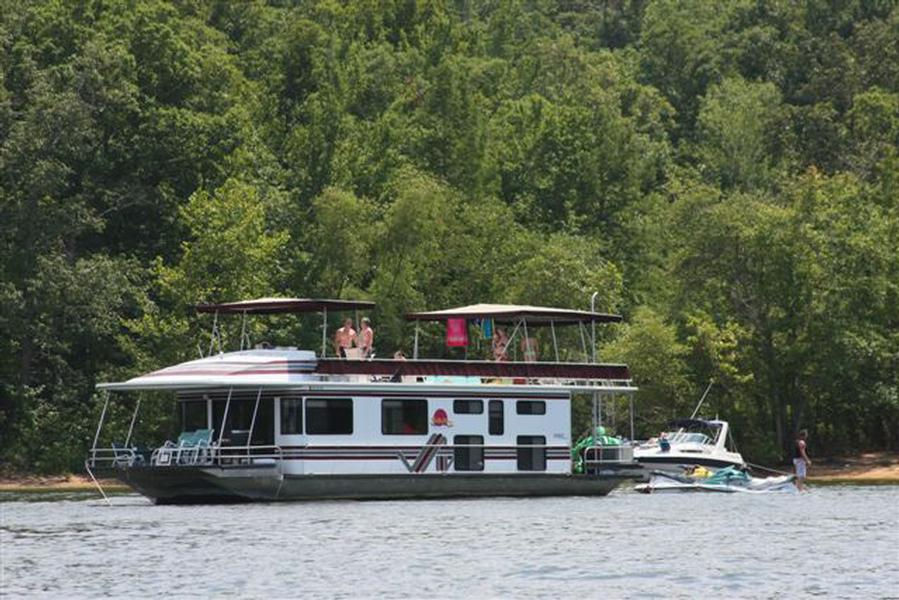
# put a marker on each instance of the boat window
(193, 415)
(681, 437)
(495, 420)
(237, 422)
(468, 407)
(530, 407)
(291, 416)
(329, 416)
(531, 453)
(468, 452)
(404, 417)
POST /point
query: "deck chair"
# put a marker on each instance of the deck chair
(124, 457)
(193, 446)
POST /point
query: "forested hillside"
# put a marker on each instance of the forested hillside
(725, 174)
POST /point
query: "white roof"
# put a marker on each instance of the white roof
(245, 368)
(514, 311)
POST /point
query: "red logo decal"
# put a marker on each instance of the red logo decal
(440, 419)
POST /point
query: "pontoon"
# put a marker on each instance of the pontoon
(279, 423)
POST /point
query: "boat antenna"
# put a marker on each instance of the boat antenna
(701, 400)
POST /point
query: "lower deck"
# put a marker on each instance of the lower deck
(192, 485)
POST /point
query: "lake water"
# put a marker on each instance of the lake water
(834, 541)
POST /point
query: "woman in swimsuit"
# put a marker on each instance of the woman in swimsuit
(500, 345)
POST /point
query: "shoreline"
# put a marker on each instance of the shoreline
(871, 468)
(28, 484)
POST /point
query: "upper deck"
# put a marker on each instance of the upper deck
(290, 367)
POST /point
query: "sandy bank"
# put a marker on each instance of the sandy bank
(57, 483)
(871, 467)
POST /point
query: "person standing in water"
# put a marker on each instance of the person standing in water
(801, 461)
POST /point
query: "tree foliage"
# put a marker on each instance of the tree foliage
(724, 175)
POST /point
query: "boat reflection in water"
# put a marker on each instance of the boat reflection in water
(287, 424)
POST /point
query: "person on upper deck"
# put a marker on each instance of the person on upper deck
(500, 345)
(530, 349)
(367, 335)
(345, 338)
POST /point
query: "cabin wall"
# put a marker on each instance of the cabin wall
(368, 449)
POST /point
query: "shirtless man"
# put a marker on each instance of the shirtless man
(800, 459)
(368, 338)
(344, 338)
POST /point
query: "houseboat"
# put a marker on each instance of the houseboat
(265, 423)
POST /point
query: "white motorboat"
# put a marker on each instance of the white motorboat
(690, 442)
(727, 480)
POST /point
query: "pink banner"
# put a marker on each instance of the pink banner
(456, 332)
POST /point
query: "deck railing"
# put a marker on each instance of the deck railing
(171, 455)
(599, 456)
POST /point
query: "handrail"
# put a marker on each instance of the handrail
(623, 454)
(171, 455)
(214, 455)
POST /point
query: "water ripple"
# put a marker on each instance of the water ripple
(834, 542)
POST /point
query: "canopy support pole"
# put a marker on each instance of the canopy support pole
(324, 332)
(215, 324)
(100, 424)
(599, 410)
(225, 416)
(631, 401)
(253, 421)
(243, 328)
(527, 340)
(415, 345)
(133, 419)
(593, 324)
(512, 337)
(580, 326)
(594, 429)
(552, 327)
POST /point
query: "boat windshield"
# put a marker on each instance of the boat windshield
(688, 437)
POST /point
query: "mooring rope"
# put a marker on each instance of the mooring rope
(769, 469)
(97, 483)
